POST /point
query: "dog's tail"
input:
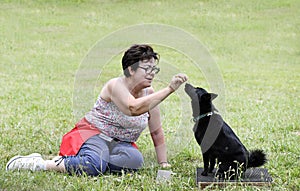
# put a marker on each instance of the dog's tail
(256, 158)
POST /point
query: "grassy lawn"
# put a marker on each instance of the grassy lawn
(254, 44)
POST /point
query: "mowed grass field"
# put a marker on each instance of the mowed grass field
(255, 45)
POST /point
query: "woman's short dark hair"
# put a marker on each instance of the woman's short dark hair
(136, 53)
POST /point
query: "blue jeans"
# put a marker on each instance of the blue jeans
(96, 156)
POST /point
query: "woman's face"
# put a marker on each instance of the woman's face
(145, 72)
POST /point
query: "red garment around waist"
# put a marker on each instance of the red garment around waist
(73, 140)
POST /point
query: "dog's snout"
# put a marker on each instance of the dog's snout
(188, 86)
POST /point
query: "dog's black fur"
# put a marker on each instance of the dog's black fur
(217, 140)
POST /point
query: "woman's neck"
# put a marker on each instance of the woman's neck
(133, 88)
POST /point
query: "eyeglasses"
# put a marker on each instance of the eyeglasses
(150, 69)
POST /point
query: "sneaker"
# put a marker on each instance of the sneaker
(33, 162)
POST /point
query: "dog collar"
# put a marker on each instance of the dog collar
(195, 119)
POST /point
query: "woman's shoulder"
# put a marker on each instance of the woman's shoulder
(109, 86)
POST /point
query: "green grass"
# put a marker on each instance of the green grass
(254, 43)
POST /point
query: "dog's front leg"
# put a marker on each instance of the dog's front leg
(212, 164)
(206, 163)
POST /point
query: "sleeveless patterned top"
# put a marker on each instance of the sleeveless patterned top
(107, 117)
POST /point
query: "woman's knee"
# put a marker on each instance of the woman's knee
(126, 163)
(138, 159)
(127, 157)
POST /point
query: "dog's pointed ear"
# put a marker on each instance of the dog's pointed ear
(213, 96)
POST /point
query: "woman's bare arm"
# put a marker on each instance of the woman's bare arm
(116, 92)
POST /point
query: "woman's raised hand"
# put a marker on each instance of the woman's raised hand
(177, 80)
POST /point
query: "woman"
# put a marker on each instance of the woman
(104, 139)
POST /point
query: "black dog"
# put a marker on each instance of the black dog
(217, 140)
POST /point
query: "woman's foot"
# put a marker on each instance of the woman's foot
(33, 162)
